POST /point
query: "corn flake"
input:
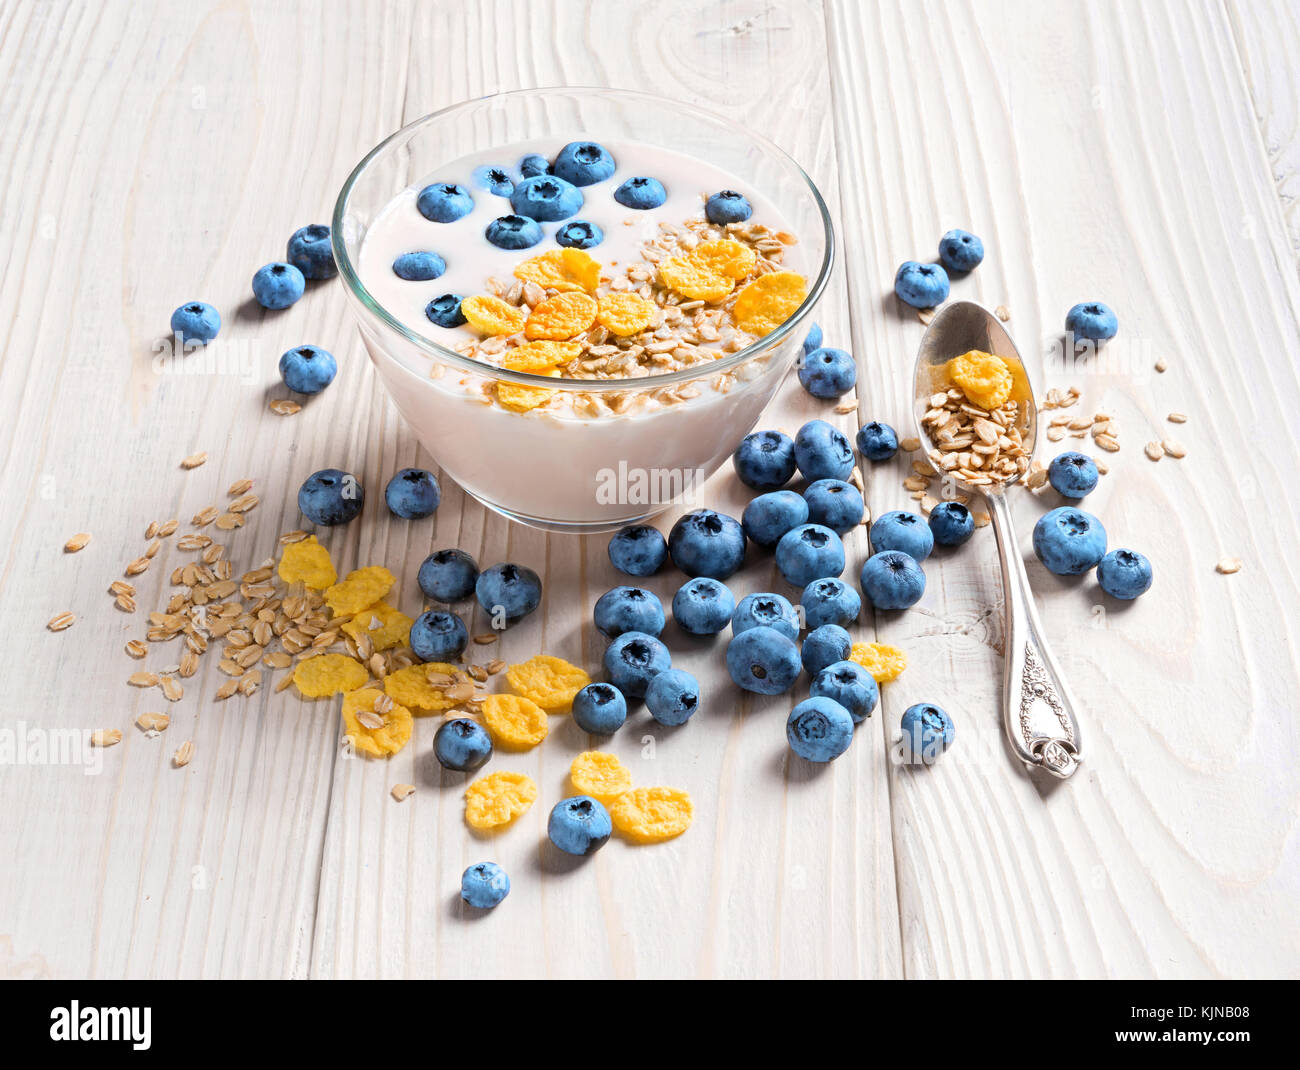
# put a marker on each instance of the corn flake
(517, 723)
(768, 301)
(651, 815)
(309, 562)
(563, 316)
(550, 682)
(328, 674)
(985, 379)
(359, 589)
(391, 737)
(497, 799)
(625, 314)
(600, 775)
(883, 661)
(411, 687)
(386, 626)
(491, 315)
(561, 269)
(523, 398)
(540, 356)
(730, 259)
(692, 279)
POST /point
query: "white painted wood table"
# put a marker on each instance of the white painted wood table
(1142, 154)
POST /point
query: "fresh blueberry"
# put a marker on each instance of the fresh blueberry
(763, 660)
(546, 198)
(419, 267)
(921, 285)
(534, 164)
(1092, 321)
(835, 504)
(824, 646)
(331, 496)
(413, 494)
(829, 601)
(898, 530)
(766, 610)
(892, 580)
(584, 163)
(877, 441)
(727, 206)
(484, 885)
(448, 575)
(600, 709)
(278, 285)
(771, 515)
(703, 606)
(928, 731)
(444, 202)
(579, 825)
(764, 460)
(310, 252)
(809, 552)
(438, 636)
(813, 339)
(959, 250)
(445, 311)
(828, 373)
(705, 543)
(1073, 474)
(638, 550)
(849, 684)
(462, 745)
(628, 609)
(822, 452)
(819, 729)
(496, 180)
(641, 193)
(509, 589)
(579, 234)
(196, 321)
(307, 369)
(951, 523)
(633, 660)
(1124, 574)
(673, 697)
(1069, 541)
(513, 232)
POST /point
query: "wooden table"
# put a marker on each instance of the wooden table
(1142, 154)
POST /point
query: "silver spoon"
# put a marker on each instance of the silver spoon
(1038, 710)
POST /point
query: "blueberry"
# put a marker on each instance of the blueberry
(809, 552)
(278, 285)
(951, 523)
(899, 530)
(628, 609)
(1073, 474)
(462, 745)
(307, 369)
(633, 660)
(822, 452)
(829, 601)
(828, 373)
(928, 731)
(819, 729)
(579, 825)
(849, 684)
(959, 250)
(771, 515)
(438, 636)
(310, 252)
(824, 646)
(413, 494)
(496, 180)
(813, 339)
(513, 232)
(419, 267)
(703, 606)
(641, 193)
(534, 164)
(1092, 321)
(673, 697)
(445, 311)
(331, 496)
(765, 460)
(921, 285)
(584, 163)
(600, 709)
(546, 198)
(579, 234)
(705, 543)
(484, 885)
(444, 202)
(1069, 541)
(196, 321)
(835, 504)
(727, 206)
(877, 441)
(1124, 574)
(892, 580)
(448, 575)
(766, 610)
(763, 660)
(508, 589)
(638, 550)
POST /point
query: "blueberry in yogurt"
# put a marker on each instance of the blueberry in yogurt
(419, 267)
(331, 496)
(766, 610)
(496, 180)
(703, 606)
(825, 646)
(310, 252)
(638, 550)
(583, 163)
(921, 285)
(462, 745)
(763, 661)
(960, 250)
(579, 825)
(444, 311)
(1073, 474)
(534, 164)
(829, 601)
(706, 543)
(828, 373)
(508, 590)
(484, 885)
(196, 321)
(628, 609)
(448, 575)
(307, 369)
(892, 580)
(579, 234)
(877, 441)
(727, 206)
(641, 193)
(809, 552)
(600, 709)
(634, 659)
(765, 460)
(413, 494)
(513, 232)
(673, 697)
(819, 729)
(444, 202)
(546, 198)
(835, 504)
(438, 636)
(769, 516)
(899, 530)
(278, 285)
(822, 452)
(1069, 541)
(1124, 574)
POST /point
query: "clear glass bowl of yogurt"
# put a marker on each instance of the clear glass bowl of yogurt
(624, 425)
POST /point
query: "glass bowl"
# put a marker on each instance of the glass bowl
(646, 442)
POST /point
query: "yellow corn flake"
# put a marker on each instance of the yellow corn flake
(386, 626)
(523, 398)
(329, 674)
(497, 799)
(540, 356)
(517, 723)
(730, 259)
(309, 562)
(550, 682)
(359, 589)
(491, 315)
(562, 269)
(389, 738)
(985, 379)
(768, 301)
(883, 661)
(651, 815)
(411, 687)
(561, 317)
(695, 280)
(600, 775)
(625, 314)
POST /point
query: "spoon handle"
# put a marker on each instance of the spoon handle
(1038, 710)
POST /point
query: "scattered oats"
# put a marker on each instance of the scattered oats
(292, 536)
(189, 664)
(915, 483)
(151, 530)
(183, 754)
(1108, 443)
(105, 737)
(855, 477)
(925, 315)
(910, 445)
(139, 565)
(286, 681)
(1161, 365)
(62, 622)
(928, 502)
(1154, 451)
(981, 520)
(285, 407)
(250, 681)
(1101, 466)
(1055, 434)
(1228, 565)
(153, 722)
(168, 528)
(193, 541)
(239, 487)
(1036, 476)
(370, 720)
(194, 460)
(401, 791)
(77, 542)
(483, 638)
(205, 517)
(1176, 418)
(125, 603)
(136, 649)
(378, 667)
(1174, 448)
(229, 687)
(244, 504)
(495, 666)
(171, 689)
(230, 521)
(1002, 312)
